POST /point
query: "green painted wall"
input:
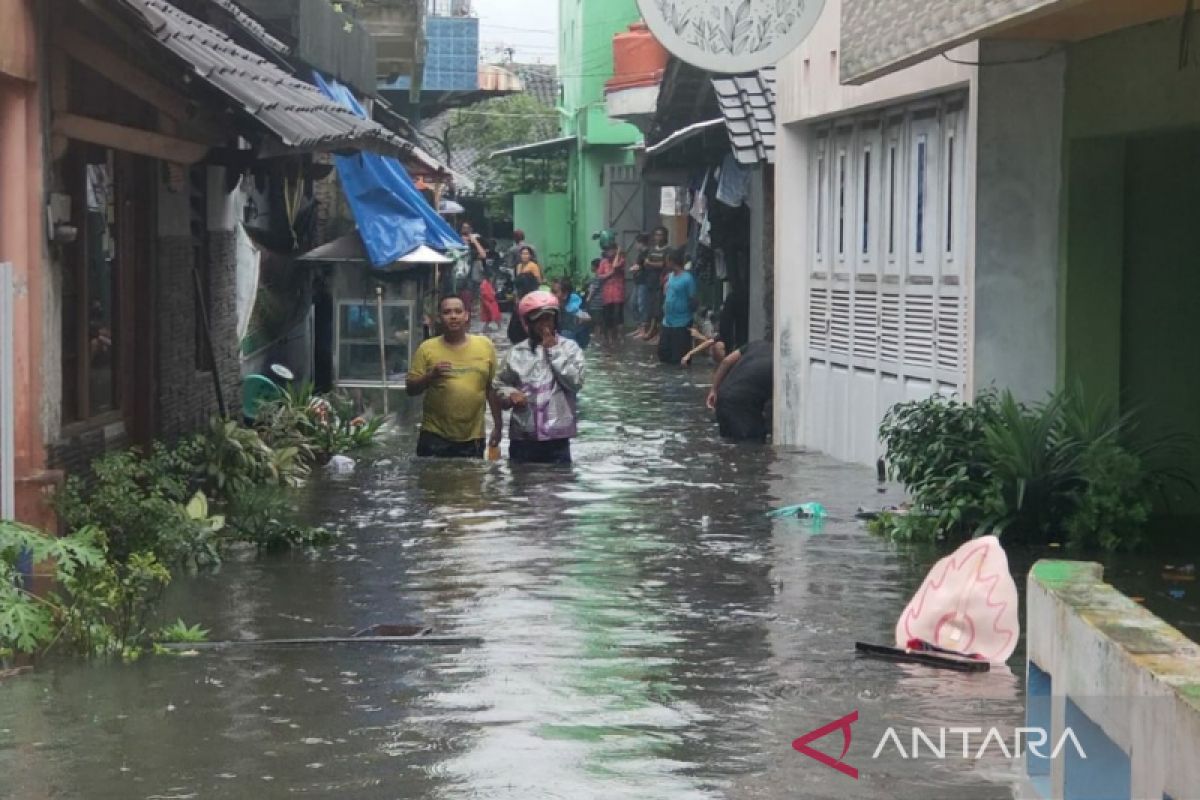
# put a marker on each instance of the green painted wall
(1130, 81)
(1160, 327)
(1131, 254)
(586, 29)
(545, 219)
(1095, 226)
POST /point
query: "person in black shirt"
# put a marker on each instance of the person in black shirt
(742, 390)
(652, 271)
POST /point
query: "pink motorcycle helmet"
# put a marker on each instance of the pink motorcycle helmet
(534, 302)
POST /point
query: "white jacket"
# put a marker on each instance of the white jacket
(550, 379)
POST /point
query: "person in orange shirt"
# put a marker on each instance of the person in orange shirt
(528, 266)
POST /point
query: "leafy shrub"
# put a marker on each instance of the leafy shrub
(1029, 472)
(1034, 469)
(97, 606)
(263, 516)
(318, 426)
(139, 504)
(232, 458)
(180, 631)
(936, 447)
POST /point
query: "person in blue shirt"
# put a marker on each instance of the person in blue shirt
(680, 300)
(574, 322)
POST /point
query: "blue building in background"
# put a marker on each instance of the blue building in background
(451, 57)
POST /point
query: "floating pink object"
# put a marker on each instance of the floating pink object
(967, 604)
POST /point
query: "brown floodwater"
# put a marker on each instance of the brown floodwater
(645, 632)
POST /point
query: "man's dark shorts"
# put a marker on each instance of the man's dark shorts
(673, 345)
(430, 445)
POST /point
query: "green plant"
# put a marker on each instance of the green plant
(1030, 472)
(936, 448)
(317, 426)
(264, 517)
(95, 606)
(232, 458)
(180, 631)
(1034, 469)
(29, 623)
(139, 505)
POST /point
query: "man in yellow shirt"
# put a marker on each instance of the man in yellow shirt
(454, 371)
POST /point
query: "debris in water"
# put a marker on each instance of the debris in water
(1187, 572)
(340, 465)
(803, 510)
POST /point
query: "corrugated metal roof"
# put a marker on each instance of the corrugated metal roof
(295, 112)
(252, 27)
(748, 105)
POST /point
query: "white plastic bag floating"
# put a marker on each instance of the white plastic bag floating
(340, 465)
(967, 604)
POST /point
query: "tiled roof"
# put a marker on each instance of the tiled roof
(748, 104)
(295, 112)
(540, 80)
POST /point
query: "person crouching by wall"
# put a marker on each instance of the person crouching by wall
(680, 302)
(742, 390)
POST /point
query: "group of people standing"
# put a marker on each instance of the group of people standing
(665, 299)
(538, 380)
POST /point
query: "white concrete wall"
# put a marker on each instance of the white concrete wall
(808, 84)
(757, 288)
(1019, 184)
(1128, 671)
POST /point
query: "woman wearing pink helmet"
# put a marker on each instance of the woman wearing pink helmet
(539, 381)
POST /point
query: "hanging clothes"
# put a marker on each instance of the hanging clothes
(734, 184)
(699, 209)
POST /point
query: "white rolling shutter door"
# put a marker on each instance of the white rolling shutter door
(887, 313)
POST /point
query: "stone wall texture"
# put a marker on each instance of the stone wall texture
(880, 36)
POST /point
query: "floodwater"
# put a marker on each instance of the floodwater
(646, 632)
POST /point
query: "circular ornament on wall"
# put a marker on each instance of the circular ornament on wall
(730, 36)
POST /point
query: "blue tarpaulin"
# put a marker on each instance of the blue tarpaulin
(393, 217)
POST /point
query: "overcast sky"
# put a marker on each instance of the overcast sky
(528, 26)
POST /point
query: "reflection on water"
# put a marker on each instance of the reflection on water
(647, 633)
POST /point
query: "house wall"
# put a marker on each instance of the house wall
(586, 29)
(186, 396)
(182, 397)
(1018, 202)
(545, 218)
(1127, 266)
(22, 243)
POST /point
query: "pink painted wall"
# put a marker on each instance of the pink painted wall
(22, 242)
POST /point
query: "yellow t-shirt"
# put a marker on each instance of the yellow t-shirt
(454, 406)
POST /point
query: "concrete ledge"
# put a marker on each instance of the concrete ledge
(1126, 683)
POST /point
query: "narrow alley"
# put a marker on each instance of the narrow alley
(646, 632)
